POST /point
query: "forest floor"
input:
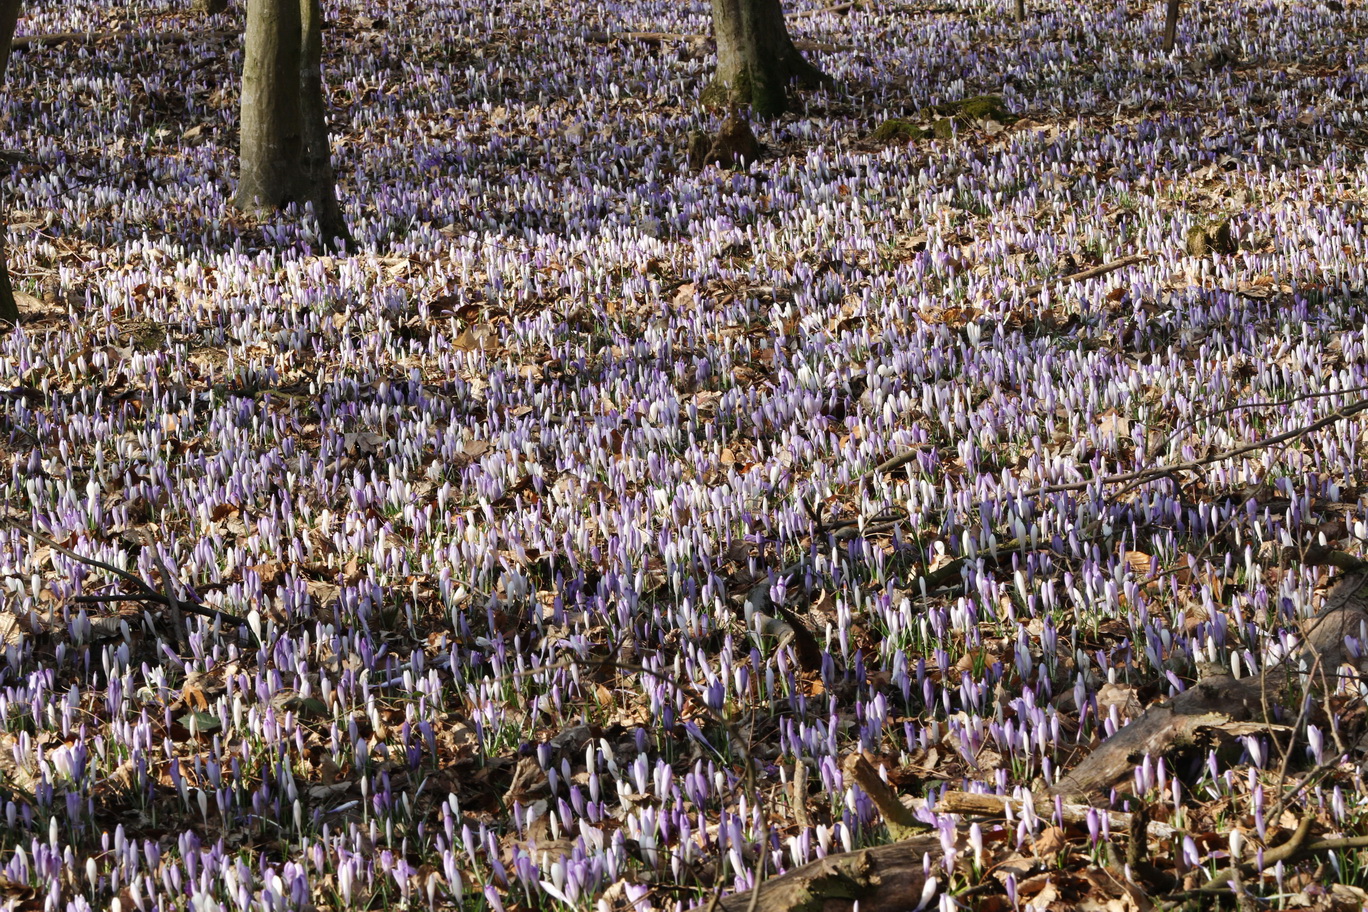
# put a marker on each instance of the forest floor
(572, 542)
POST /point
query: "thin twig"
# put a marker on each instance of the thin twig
(1157, 472)
(1225, 410)
(1282, 852)
(898, 817)
(753, 786)
(1145, 474)
(173, 604)
(896, 462)
(1286, 759)
(146, 594)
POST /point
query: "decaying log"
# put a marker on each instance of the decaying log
(1226, 704)
(886, 878)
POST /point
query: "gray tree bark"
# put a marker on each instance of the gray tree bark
(756, 59)
(285, 155)
(317, 159)
(9, 18)
(1170, 25)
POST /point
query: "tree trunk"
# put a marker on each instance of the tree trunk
(1020, 10)
(9, 18)
(317, 160)
(1170, 26)
(756, 59)
(285, 155)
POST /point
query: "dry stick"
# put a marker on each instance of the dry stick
(1334, 719)
(800, 774)
(658, 36)
(1271, 856)
(1137, 846)
(754, 787)
(997, 805)
(838, 8)
(1286, 758)
(148, 594)
(1284, 796)
(897, 462)
(1295, 847)
(1225, 410)
(172, 603)
(1086, 274)
(1347, 412)
(1306, 781)
(898, 817)
(1143, 475)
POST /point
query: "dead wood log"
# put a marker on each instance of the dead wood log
(886, 878)
(1232, 705)
(837, 8)
(996, 806)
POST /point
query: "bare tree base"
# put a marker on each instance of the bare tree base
(723, 93)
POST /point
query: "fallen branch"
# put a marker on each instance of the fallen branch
(1240, 406)
(1223, 703)
(997, 806)
(1142, 475)
(145, 592)
(904, 9)
(659, 36)
(1086, 274)
(1271, 857)
(838, 8)
(57, 38)
(898, 817)
(1151, 474)
(896, 462)
(648, 37)
(173, 604)
(654, 38)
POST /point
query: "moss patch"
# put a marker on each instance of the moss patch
(946, 127)
(1210, 237)
(897, 130)
(986, 107)
(961, 114)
